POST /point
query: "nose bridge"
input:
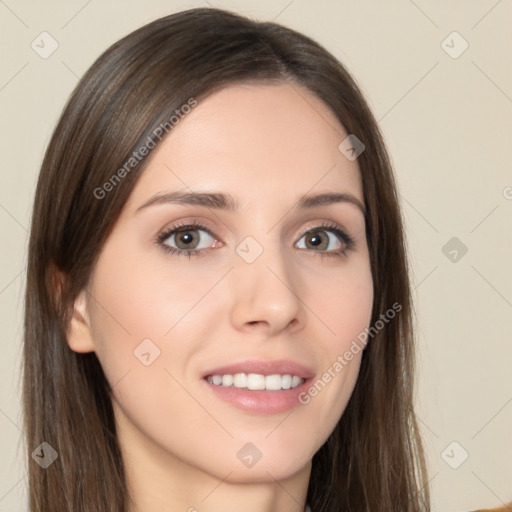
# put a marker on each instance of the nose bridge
(265, 288)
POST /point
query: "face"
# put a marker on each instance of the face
(190, 295)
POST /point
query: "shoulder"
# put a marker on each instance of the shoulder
(505, 508)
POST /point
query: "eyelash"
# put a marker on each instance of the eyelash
(345, 238)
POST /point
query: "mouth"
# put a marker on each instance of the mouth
(256, 381)
(259, 387)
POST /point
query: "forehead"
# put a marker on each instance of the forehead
(257, 142)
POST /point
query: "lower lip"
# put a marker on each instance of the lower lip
(260, 401)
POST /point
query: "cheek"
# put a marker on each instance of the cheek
(344, 308)
(344, 304)
(137, 300)
(137, 309)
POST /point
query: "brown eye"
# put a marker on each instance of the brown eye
(189, 238)
(186, 239)
(320, 240)
(328, 240)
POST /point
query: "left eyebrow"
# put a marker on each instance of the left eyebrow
(312, 200)
(227, 202)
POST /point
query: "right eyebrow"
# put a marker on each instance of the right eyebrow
(213, 200)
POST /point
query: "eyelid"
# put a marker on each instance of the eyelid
(194, 224)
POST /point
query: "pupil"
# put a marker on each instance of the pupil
(316, 240)
(186, 238)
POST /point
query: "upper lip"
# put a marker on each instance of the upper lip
(263, 367)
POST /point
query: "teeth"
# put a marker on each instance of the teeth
(273, 382)
(239, 380)
(256, 381)
(295, 381)
(227, 380)
(286, 381)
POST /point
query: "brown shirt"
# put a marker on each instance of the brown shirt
(505, 508)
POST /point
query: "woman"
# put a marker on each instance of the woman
(218, 311)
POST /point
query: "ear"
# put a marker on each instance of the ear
(79, 333)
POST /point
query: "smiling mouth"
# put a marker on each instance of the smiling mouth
(256, 381)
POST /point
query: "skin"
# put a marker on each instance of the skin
(266, 145)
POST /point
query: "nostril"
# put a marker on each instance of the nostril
(255, 322)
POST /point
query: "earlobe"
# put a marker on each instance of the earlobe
(79, 334)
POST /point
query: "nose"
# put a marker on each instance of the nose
(265, 297)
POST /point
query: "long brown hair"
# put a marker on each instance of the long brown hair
(374, 458)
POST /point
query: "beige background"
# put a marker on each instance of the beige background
(448, 125)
